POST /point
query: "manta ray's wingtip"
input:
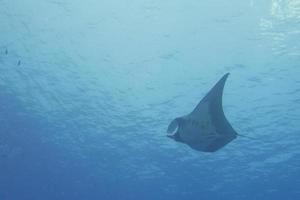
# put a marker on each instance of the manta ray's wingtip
(220, 84)
(223, 79)
(226, 75)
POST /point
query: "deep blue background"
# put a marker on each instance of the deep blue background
(88, 88)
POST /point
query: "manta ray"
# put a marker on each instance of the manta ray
(206, 127)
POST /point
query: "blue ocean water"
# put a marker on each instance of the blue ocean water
(88, 88)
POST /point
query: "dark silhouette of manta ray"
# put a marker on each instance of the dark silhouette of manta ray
(206, 127)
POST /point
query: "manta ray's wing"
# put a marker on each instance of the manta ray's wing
(210, 109)
(213, 97)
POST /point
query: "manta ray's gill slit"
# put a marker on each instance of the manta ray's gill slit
(203, 124)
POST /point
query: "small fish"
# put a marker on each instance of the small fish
(6, 51)
(19, 62)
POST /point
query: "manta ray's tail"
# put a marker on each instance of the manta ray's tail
(246, 136)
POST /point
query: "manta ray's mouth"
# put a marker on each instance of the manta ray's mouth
(175, 137)
(173, 127)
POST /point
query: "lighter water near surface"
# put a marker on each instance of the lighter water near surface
(88, 88)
